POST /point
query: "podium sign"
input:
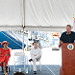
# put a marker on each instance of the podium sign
(68, 59)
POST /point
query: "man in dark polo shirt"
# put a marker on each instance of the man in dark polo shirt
(68, 36)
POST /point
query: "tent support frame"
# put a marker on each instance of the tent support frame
(23, 21)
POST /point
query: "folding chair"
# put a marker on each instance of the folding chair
(36, 62)
(15, 61)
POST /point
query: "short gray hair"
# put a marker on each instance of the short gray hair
(69, 25)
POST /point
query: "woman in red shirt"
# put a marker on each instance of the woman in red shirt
(4, 56)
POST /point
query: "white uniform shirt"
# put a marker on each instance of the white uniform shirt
(35, 52)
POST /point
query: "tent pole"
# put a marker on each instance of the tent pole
(23, 19)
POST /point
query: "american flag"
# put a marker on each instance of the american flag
(74, 24)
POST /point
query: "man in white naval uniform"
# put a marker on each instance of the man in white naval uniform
(35, 56)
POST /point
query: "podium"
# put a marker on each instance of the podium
(68, 59)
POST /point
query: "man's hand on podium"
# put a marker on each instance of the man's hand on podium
(60, 43)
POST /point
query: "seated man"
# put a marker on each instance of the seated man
(35, 56)
(4, 56)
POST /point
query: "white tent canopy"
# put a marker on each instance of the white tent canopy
(10, 12)
(38, 14)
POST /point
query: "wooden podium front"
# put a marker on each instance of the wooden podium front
(68, 59)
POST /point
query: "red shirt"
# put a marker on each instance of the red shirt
(4, 52)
